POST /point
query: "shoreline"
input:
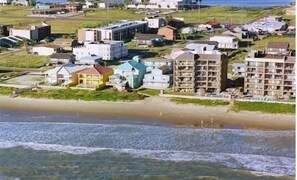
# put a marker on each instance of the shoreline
(156, 109)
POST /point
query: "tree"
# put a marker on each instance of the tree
(126, 2)
(145, 2)
(168, 6)
(159, 6)
(1, 32)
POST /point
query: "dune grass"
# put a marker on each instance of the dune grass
(271, 108)
(23, 61)
(85, 95)
(5, 91)
(150, 92)
(200, 102)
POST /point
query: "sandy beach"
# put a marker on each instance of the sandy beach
(157, 109)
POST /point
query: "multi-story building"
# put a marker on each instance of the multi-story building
(108, 50)
(88, 35)
(269, 75)
(120, 31)
(200, 72)
(160, 78)
(32, 32)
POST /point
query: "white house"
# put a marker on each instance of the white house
(155, 22)
(46, 50)
(65, 75)
(160, 78)
(270, 24)
(109, 3)
(155, 63)
(225, 42)
(21, 2)
(108, 50)
(89, 4)
(5, 1)
(164, 4)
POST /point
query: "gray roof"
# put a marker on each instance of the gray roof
(62, 55)
(215, 43)
(139, 36)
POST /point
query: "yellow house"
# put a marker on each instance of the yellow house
(95, 77)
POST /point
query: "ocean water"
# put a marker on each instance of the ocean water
(236, 3)
(46, 146)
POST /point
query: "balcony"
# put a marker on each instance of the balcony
(185, 74)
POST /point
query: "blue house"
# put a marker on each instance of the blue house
(132, 71)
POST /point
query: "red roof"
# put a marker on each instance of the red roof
(213, 22)
(98, 70)
(169, 27)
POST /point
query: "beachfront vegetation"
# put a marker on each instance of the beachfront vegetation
(149, 92)
(23, 61)
(5, 91)
(232, 15)
(271, 108)
(200, 102)
(85, 95)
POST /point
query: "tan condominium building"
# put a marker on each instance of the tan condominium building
(270, 75)
(200, 72)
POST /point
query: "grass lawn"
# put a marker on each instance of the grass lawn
(290, 19)
(150, 92)
(69, 26)
(264, 107)
(230, 15)
(86, 95)
(18, 21)
(200, 102)
(23, 61)
(112, 15)
(15, 10)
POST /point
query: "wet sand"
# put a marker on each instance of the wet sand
(157, 109)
